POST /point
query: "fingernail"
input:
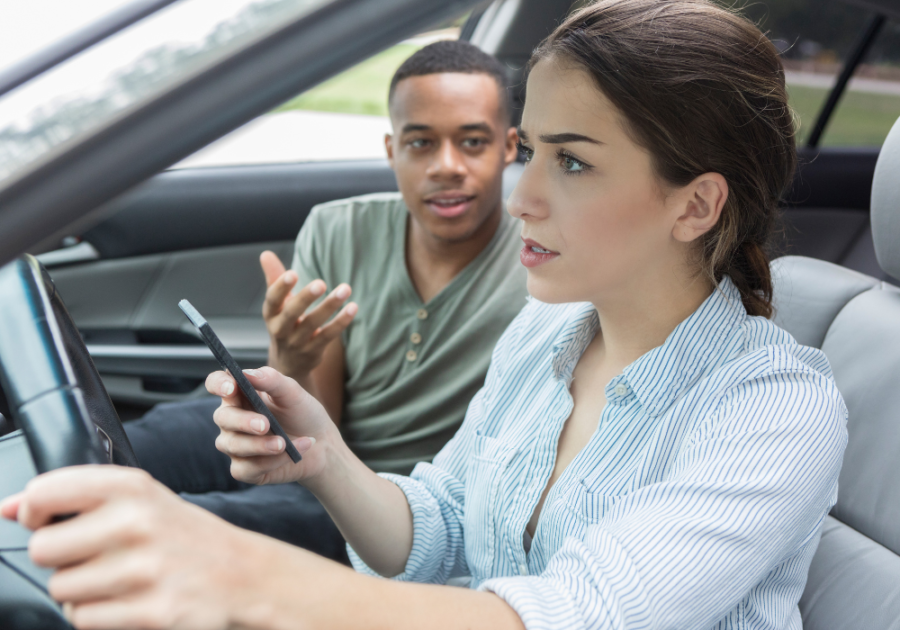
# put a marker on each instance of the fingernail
(255, 373)
(317, 288)
(227, 388)
(68, 608)
(289, 278)
(275, 444)
(352, 308)
(342, 292)
(304, 444)
(258, 425)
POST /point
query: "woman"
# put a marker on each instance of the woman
(648, 450)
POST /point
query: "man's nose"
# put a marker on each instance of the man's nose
(447, 163)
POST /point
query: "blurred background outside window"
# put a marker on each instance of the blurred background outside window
(346, 117)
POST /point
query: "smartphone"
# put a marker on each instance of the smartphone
(229, 364)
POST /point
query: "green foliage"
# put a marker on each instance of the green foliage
(861, 119)
(362, 89)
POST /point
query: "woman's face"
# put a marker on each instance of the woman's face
(597, 223)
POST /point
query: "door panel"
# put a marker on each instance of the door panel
(195, 234)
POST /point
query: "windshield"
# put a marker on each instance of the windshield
(28, 27)
(97, 86)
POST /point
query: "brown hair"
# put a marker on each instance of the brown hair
(702, 89)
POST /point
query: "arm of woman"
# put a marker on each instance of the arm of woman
(137, 556)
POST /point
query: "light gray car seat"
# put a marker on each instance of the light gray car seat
(854, 580)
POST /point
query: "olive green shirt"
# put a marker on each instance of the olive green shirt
(411, 367)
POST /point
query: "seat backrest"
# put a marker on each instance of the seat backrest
(854, 579)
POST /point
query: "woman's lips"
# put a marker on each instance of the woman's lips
(534, 254)
(450, 206)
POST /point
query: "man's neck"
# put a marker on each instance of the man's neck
(432, 263)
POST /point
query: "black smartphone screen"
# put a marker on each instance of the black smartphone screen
(228, 363)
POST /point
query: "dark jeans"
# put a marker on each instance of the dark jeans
(175, 442)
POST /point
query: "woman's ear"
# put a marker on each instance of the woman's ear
(701, 203)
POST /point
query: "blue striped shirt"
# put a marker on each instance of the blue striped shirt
(697, 502)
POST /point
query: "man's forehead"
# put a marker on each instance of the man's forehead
(429, 99)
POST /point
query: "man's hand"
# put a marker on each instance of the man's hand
(260, 458)
(135, 556)
(298, 337)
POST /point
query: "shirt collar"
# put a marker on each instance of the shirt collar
(661, 376)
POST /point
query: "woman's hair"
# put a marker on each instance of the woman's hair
(702, 90)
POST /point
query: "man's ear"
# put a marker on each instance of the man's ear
(701, 204)
(512, 151)
(389, 148)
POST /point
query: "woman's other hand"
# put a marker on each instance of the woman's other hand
(257, 456)
(135, 556)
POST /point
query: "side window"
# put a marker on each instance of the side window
(871, 103)
(344, 118)
(815, 38)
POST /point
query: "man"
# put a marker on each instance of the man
(436, 278)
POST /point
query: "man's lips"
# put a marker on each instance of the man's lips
(449, 204)
(534, 254)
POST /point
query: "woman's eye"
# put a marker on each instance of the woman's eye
(572, 165)
(526, 152)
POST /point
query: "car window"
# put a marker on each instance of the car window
(28, 27)
(871, 104)
(88, 91)
(815, 37)
(344, 118)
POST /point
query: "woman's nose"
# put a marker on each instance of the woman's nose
(527, 199)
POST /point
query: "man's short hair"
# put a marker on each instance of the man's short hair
(454, 56)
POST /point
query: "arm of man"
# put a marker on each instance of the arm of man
(328, 380)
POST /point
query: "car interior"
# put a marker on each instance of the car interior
(197, 233)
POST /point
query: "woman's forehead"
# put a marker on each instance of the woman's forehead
(561, 94)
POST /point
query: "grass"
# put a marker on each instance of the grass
(362, 89)
(861, 119)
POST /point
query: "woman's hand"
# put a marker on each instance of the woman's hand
(257, 456)
(135, 556)
(299, 335)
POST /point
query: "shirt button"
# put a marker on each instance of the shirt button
(416, 338)
(422, 313)
(621, 389)
(411, 355)
(523, 569)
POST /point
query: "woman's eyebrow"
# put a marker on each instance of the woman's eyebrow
(558, 138)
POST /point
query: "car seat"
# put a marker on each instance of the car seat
(854, 579)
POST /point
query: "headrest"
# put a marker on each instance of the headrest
(886, 204)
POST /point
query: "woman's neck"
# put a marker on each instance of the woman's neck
(640, 318)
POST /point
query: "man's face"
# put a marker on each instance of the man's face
(450, 145)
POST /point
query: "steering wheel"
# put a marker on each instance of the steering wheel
(57, 400)
(54, 392)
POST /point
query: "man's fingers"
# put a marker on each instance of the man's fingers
(316, 318)
(294, 307)
(272, 266)
(332, 330)
(276, 292)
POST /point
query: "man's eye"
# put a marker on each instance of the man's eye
(525, 151)
(419, 143)
(473, 143)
